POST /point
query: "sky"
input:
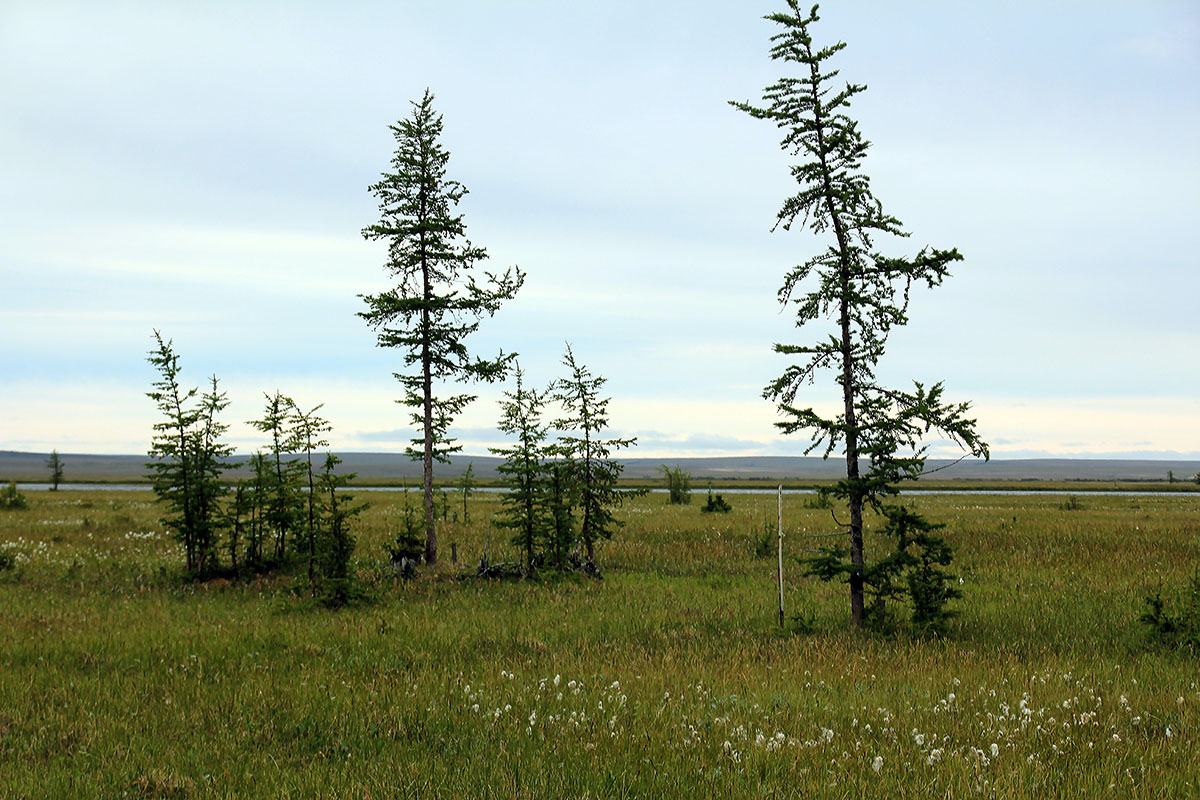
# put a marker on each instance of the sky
(200, 168)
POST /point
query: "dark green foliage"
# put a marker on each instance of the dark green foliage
(209, 457)
(828, 565)
(258, 494)
(819, 499)
(593, 472)
(1170, 476)
(284, 511)
(238, 521)
(679, 484)
(466, 485)
(55, 465)
(408, 547)
(307, 431)
(334, 582)
(11, 499)
(561, 493)
(524, 504)
(716, 504)
(913, 572)
(1196, 479)
(1071, 504)
(438, 300)
(7, 560)
(188, 459)
(1175, 622)
(764, 540)
(860, 291)
(560, 499)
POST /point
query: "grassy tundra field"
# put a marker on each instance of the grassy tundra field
(667, 678)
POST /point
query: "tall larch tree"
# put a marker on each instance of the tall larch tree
(863, 293)
(439, 298)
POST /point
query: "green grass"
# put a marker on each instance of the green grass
(117, 679)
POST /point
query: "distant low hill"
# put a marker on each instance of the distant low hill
(388, 467)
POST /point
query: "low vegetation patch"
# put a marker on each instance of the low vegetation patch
(670, 676)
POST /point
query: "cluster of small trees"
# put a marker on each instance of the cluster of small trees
(287, 510)
(562, 478)
(560, 471)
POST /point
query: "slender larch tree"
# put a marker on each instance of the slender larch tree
(585, 418)
(863, 293)
(439, 298)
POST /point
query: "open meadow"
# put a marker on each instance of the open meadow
(669, 677)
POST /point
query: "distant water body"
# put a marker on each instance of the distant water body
(139, 487)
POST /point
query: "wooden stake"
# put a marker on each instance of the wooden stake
(781, 555)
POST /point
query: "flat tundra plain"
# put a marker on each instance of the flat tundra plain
(669, 676)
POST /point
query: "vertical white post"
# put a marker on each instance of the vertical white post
(781, 555)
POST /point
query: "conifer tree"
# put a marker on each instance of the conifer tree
(594, 471)
(560, 496)
(525, 505)
(188, 458)
(172, 468)
(862, 292)
(55, 464)
(334, 582)
(283, 507)
(259, 497)
(438, 300)
(308, 428)
(466, 485)
(209, 459)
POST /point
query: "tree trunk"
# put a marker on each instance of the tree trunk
(847, 380)
(427, 382)
(312, 534)
(589, 537)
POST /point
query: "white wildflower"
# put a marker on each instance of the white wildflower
(877, 764)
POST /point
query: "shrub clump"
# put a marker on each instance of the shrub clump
(716, 504)
(763, 540)
(1175, 622)
(11, 499)
(679, 484)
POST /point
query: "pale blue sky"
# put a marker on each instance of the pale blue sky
(201, 168)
